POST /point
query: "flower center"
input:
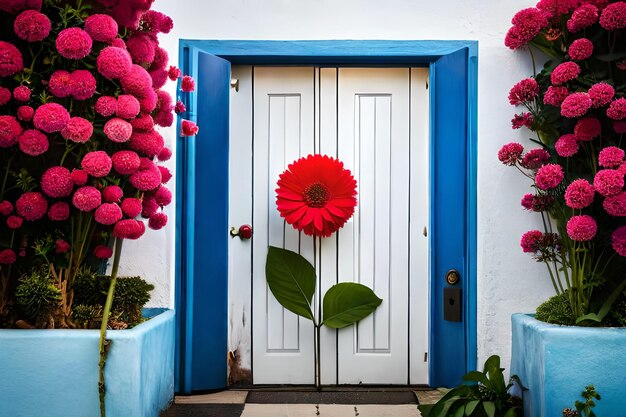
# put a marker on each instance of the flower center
(316, 195)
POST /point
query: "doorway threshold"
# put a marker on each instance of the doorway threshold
(333, 395)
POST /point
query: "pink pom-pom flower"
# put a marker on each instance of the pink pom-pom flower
(113, 63)
(125, 162)
(14, 222)
(57, 182)
(137, 82)
(73, 43)
(157, 221)
(77, 130)
(510, 153)
(10, 130)
(613, 16)
(5, 96)
(6, 207)
(7, 257)
(564, 72)
(87, 198)
(149, 206)
(165, 154)
(79, 177)
(108, 214)
(580, 49)
(582, 228)
(549, 176)
(102, 252)
(166, 175)
(131, 207)
(97, 163)
(618, 240)
(601, 94)
(617, 109)
(524, 91)
(60, 84)
(587, 128)
(579, 194)
(11, 61)
(101, 27)
(21, 93)
(106, 106)
(129, 229)
(31, 206)
(576, 105)
(51, 117)
(187, 84)
(174, 73)
(527, 23)
(566, 145)
(147, 143)
(59, 211)
(118, 130)
(611, 157)
(25, 113)
(188, 128)
(615, 205)
(584, 16)
(112, 194)
(147, 178)
(127, 106)
(163, 196)
(530, 241)
(608, 182)
(32, 26)
(83, 84)
(554, 96)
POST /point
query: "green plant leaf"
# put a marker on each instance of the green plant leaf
(470, 407)
(348, 302)
(291, 279)
(490, 408)
(460, 412)
(477, 376)
(512, 412)
(606, 307)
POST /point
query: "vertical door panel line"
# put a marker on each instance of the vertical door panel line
(408, 358)
(252, 246)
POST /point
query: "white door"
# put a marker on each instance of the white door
(375, 120)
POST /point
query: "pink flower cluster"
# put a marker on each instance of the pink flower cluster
(527, 24)
(524, 91)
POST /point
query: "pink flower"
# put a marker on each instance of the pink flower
(108, 214)
(155, 22)
(87, 198)
(21, 93)
(608, 182)
(157, 221)
(535, 158)
(79, 177)
(131, 207)
(144, 123)
(83, 84)
(113, 63)
(510, 153)
(141, 48)
(555, 8)
(579, 194)
(147, 143)
(582, 228)
(566, 145)
(6, 207)
(137, 82)
(57, 182)
(127, 106)
(187, 84)
(522, 120)
(164, 118)
(554, 96)
(587, 128)
(615, 205)
(165, 154)
(527, 24)
(188, 128)
(531, 241)
(619, 126)
(32, 26)
(147, 178)
(118, 43)
(10, 130)
(60, 84)
(580, 49)
(61, 246)
(179, 107)
(576, 105)
(106, 106)
(14, 222)
(617, 109)
(149, 102)
(611, 157)
(101, 27)
(97, 163)
(618, 240)
(159, 77)
(160, 60)
(25, 113)
(601, 94)
(112, 194)
(149, 206)
(564, 72)
(163, 196)
(11, 61)
(102, 252)
(51, 117)
(125, 162)
(524, 91)
(537, 203)
(549, 176)
(31, 206)
(174, 73)
(5, 96)
(77, 130)
(613, 16)
(118, 130)
(59, 211)
(585, 16)
(166, 175)
(7, 257)
(129, 229)
(16, 6)
(73, 43)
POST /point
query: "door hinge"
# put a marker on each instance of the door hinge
(234, 83)
(425, 356)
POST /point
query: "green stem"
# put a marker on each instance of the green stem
(104, 344)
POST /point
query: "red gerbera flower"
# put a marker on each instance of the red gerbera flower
(316, 195)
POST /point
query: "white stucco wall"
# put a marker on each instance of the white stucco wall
(508, 280)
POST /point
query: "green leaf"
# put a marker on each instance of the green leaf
(606, 307)
(490, 408)
(476, 376)
(291, 279)
(512, 412)
(460, 412)
(470, 407)
(347, 303)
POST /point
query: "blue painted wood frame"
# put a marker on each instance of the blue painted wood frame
(201, 216)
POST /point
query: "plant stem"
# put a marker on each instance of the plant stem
(316, 342)
(104, 348)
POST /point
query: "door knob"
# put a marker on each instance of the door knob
(244, 232)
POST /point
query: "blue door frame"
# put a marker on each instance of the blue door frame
(202, 192)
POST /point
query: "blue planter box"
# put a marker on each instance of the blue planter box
(54, 373)
(556, 362)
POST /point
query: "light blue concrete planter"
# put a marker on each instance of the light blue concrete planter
(556, 362)
(54, 373)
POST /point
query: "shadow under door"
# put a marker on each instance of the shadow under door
(375, 120)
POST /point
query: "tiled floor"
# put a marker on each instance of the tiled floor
(233, 404)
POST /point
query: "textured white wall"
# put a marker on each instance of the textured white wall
(508, 280)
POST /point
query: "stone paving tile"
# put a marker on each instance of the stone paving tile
(406, 410)
(280, 410)
(222, 397)
(429, 397)
(329, 410)
(203, 410)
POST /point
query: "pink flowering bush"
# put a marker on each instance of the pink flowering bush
(80, 152)
(576, 108)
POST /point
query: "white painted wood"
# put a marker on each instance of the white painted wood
(240, 212)
(420, 219)
(373, 125)
(283, 131)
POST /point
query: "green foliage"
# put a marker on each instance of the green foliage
(584, 409)
(36, 295)
(347, 303)
(483, 394)
(556, 310)
(618, 314)
(86, 316)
